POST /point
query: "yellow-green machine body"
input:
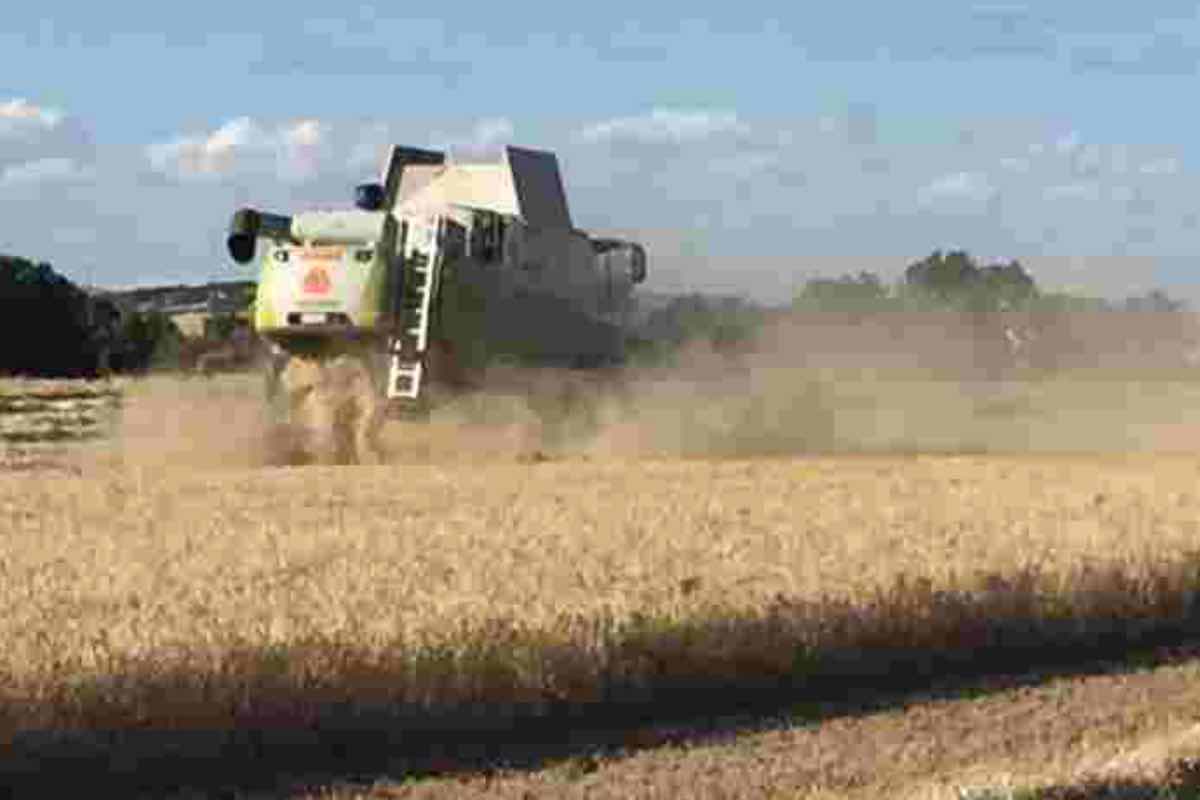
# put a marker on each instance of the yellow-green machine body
(461, 263)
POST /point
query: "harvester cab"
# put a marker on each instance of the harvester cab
(472, 260)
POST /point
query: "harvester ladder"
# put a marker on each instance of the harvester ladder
(407, 350)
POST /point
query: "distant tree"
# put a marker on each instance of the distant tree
(1155, 300)
(862, 292)
(942, 275)
(954, 280)
(1063, 302)
(722, 322)
(1004, 286)
(220, 326)
(150, 340)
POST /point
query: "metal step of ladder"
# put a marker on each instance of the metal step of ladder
(407, 350)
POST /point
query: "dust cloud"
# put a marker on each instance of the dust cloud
(172, 422)
(911, 383)
(818, 384)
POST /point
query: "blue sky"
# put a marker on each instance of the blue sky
(749, 145)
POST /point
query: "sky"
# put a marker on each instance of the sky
(749, 146)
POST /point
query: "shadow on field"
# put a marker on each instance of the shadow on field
(1181, 781)
(286, 735)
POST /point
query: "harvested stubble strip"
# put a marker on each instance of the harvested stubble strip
(60, 389)
(177, 602)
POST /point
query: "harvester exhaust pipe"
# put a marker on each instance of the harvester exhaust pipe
(247, 225)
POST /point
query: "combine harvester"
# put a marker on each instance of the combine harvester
(438, 272)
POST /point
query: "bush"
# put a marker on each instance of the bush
(723, 323)
(149, 340)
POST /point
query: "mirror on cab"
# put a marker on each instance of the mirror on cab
(247, 225)
(243, 230)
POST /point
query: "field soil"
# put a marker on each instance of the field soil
(1124, 733)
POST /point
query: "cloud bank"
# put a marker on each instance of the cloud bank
(742, 203)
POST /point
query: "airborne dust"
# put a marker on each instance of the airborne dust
(819, 384)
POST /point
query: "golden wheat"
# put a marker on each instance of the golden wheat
(181, 596)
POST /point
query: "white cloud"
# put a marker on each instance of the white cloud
(300, 154)
(44, 170)
(293, 151)
(971, 187)
(1121, 194)
(369, 149)
(1087, 159)
(1161, 166)
(1015, 164)
(665, 126)
(743, 165)
(304, 134)
(484, 140)
(1071, 191)
(204, 155)
(1067, 144)
(1119, 159)
(807, 189)
(364, 147)
(20, 117)
(493, 131)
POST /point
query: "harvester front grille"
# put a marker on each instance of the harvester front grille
(318, 318)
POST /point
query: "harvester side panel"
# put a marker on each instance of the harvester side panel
(539, 188)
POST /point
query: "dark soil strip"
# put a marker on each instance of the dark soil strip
(1181, 782)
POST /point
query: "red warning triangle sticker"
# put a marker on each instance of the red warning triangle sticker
(316, 281)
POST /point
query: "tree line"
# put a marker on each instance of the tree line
(951, 281)
(51, 327)
(956, 281)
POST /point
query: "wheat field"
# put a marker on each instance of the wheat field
(518, 554)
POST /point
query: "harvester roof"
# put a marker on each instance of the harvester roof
(523, 183)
